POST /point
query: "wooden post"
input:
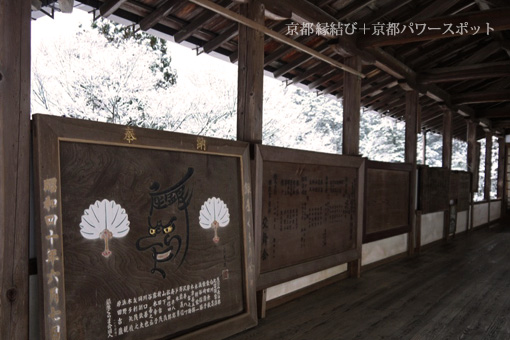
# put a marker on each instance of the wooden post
(472, 164)
(424, 147)
(411, 117)
(250, 76)
(501, 175)
(14, 167)
(351, 120)
(447, 161)
(447, 138)
(352, 105)
(488, 167)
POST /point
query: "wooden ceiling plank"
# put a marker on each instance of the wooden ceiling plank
(285, 49)
(497, 19)
(299, 61)
(352, 8)
(332, 88)
(199, 21)
(222, 38)
(109, 7)
(154, 17)
(481, 97)
(379, 87)
(497, 112)
(385, 11)
(435, 8)
(465, 72)
(325, 78)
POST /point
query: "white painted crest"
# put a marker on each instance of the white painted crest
(214, 210)
(101, 216)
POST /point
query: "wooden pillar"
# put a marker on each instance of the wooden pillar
(447, 161)
(488, 167)
(424, 150)
(250, 76)
(501, 175)
(14, 167)
(472, 164)
(351, 123)
(250, 95)
(352, 105)
(447, 138)
(411, 118)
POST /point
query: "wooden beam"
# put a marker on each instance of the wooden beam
(337, 86)
(457, 73)
(154, 17)
(277, 36)
(488, 166)
(15, 19)
(109, 7)
(250, 76)
(481, 54)
(199, 21)
(497, 19)
(481, 97)
(222, 38)
(498, 36)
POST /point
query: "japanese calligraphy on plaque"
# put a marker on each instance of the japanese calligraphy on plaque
(309, 211)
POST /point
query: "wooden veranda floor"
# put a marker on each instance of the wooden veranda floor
(455, 291)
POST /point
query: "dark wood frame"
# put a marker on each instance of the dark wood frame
(50, 131)
(404, 167)
(277, 154)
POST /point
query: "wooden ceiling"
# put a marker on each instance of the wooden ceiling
(455, 66)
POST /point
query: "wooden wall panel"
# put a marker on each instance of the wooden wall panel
(155, 229)
(387, 194)
(310, 212)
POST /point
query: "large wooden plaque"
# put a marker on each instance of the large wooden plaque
(460, 184)
(434, 188)
(308, 212)
(387, 195)
(143, 234)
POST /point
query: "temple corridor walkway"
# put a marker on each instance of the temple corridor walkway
(456, 291)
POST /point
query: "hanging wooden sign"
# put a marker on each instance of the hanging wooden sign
(143, 234)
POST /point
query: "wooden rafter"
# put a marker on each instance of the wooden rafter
(318, 68)
(154, 17)
(324, 79)
(435, 8)
(497, 112)
(299, 61)
(222, 38)
(456, 73)
(109, 7)
(199, 21)
(477, 24)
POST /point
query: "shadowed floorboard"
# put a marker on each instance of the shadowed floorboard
(455, 291)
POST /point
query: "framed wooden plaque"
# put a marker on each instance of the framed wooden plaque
(433, 188)
(387, 195)
(308, 212)
(142, 234)
(460, 185)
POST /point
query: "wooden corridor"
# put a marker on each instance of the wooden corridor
(456, 291)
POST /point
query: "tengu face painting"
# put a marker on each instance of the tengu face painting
(168, 223)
